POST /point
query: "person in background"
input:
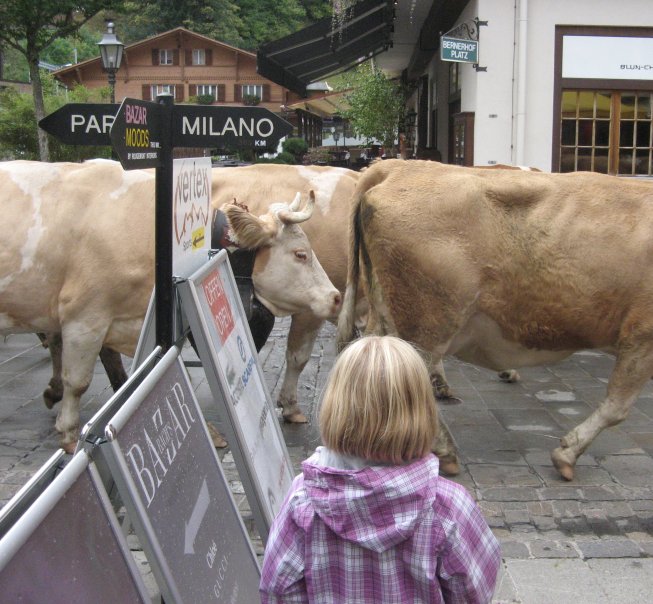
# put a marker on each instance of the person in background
(369, 519)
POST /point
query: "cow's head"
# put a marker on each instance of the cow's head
(287, 275)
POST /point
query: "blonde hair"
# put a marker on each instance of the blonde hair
(378, 403)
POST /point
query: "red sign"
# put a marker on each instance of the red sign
(219, 305)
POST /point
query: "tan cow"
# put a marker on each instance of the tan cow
(507, 268)
(327, 232)
(77, 258)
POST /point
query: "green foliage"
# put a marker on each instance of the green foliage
(295, 146)
(202, 99)
(282, 158)
(376, 104)
(18, 139)
(251, 99)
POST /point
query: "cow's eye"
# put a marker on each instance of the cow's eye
(301, 255)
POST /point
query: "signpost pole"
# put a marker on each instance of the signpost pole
(163, 229)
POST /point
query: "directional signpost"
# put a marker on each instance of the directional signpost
(81, 123)
(136, 134)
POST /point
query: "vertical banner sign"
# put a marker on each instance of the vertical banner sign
(69, 547)
(191, 202)
(217, 319)
(170, 478)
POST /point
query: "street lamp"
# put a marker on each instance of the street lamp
(111, 51)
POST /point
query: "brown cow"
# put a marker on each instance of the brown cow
(506, 268)
(77, 258)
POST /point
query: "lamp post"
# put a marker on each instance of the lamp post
(111, 51)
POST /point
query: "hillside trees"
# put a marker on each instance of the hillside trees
(31, 27)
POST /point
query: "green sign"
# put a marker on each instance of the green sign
(461, 51)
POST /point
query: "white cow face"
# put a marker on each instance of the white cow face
(287, 276)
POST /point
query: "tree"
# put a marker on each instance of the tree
(31, 27)
(18, 137)
(376, 104)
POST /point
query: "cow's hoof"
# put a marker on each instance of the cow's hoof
(69, 447)
(561, 460)
(450, 399)
(219, 442)
(449, 466)
(295, 417)
(510, 376)
(51, 397)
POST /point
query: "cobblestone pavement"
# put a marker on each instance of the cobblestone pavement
(590, 540)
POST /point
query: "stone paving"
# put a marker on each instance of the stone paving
(551, 531)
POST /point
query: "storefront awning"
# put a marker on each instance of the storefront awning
(320, 50)
(324, 105)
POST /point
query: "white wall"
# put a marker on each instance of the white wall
(495, 92)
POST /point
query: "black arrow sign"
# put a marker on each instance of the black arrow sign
(218, 126)
(81, 123)
(136, 134)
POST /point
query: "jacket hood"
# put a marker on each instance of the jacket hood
(376, 507)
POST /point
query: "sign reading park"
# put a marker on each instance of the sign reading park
(136, 134)
(81, 123)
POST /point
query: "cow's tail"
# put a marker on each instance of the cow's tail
(347, 317)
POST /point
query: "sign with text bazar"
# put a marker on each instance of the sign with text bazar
(458, 50)
(136, 131)
(171, 481)
(217, 319)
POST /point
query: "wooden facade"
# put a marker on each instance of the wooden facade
(187, 64)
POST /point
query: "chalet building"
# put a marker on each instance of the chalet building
(189, 65)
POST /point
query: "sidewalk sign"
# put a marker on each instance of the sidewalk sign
(212, 304)
(175, 492)
(68, 546)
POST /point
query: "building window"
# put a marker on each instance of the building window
(606, 131)
(208, 90)
(199, 56)
(158, 89)
(253, 90)
(166, 56)
(454, 80)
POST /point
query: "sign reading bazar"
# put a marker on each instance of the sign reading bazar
(136, 134)
(172, 483)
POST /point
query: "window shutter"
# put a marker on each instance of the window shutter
(266, 93)
(192, 89)
(147, 92)
(155, 56)
(179, 93)
(188, 57)
(175, 56)
(238, 93)
(222, 97)
(208, 56)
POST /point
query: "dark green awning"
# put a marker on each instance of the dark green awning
(318, 50)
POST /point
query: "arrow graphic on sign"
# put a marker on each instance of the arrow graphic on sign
(192, 527)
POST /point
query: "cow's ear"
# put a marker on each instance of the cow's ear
(249, 231)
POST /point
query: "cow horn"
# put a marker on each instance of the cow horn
(294, 205)
(293, 217)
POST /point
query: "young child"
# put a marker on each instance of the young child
(369, 520)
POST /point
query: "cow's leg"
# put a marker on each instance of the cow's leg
(112, 363)
(54, 392)
(80, 349)
(304, 328)
(633, 368)
(445, 449)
